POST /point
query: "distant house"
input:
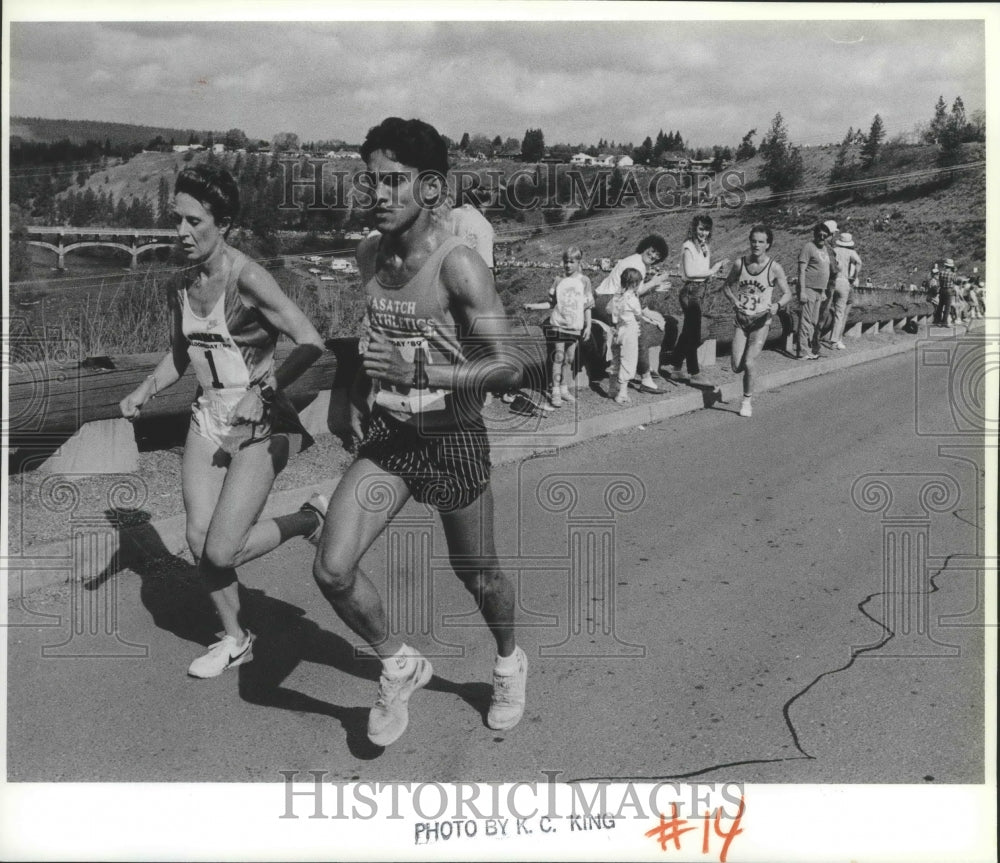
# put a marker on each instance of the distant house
(582, 159)
(218, 149)
(625, 162)
(675, 161)
(606, 159)
(510, 155)
(554, 159)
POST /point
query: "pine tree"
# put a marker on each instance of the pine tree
(873, 143)
(746, 149)
(938, 123)
(782, 169)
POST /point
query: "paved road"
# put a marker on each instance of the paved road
(704, 597)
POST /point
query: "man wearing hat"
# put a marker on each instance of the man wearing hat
(816, 266)
(946, 293)
(848, 269)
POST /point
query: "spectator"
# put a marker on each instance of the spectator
(946, 294)
(650, 251)
(571, 299)
(696, 270)
(473, 229)
(816, 265)
(848, 268)
(626, 311)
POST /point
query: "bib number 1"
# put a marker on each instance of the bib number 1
(216, 383)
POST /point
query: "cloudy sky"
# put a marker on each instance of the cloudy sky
(578, 81)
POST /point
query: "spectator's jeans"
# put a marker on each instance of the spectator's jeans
(649, 334)
(809, 309)
(841, 292)
(689, 340)
(944, 307)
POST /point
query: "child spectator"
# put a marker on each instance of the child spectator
(571, 299)
(625, 313)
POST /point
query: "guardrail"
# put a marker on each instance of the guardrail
(51, 403)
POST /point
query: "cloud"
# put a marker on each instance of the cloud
(578, 81)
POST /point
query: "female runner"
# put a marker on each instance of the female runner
(226, 319)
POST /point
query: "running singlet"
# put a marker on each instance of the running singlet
(753, 292)
(233, 346)
(402, 314)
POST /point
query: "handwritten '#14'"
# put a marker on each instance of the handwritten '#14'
(671, 830)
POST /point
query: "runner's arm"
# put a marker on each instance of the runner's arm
(259, 287)
(779, 279)
(168, 371)
(731, 279)
(482, 360)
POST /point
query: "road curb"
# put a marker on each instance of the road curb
(69, 560)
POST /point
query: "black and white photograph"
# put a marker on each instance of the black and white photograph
(555, 430)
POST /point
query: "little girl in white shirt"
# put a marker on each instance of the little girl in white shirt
(625, 312)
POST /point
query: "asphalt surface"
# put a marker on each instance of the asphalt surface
(700, 598)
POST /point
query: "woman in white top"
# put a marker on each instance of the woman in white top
(226, 319)
(696, 269)
(754, 277)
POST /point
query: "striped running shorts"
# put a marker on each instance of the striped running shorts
(446, 469)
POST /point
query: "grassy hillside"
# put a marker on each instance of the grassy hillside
(928, 219)
(138, 177)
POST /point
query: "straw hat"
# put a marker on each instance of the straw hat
(949, 264)
(845, 241)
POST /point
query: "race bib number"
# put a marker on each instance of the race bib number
(406, 399)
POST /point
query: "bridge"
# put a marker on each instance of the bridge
(63, 240)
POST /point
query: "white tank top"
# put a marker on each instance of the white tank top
(753, 292)
(232, 346)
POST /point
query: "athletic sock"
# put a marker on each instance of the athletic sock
(397, 664)
(505, 665)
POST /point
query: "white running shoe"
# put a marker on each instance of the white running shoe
(623, 397)
(648, 382)
(227, 653)
(568, 397)
(317, 504)
(507, 704)
(388, 719)
(745, 409)
(840, 346)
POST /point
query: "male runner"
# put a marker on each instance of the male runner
(434, 346)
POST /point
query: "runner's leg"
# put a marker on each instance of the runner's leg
(203, 472)
(738, 350)
(754, 345)
(361, 506)
(234, 536)
(472, 551)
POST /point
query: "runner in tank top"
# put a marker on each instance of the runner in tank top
(435, 344)
(750, 288)
(226, 320)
